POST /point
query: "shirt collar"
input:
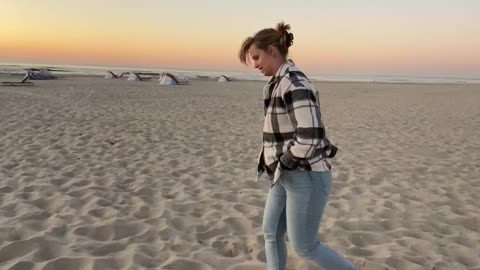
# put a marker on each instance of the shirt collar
(282, 70)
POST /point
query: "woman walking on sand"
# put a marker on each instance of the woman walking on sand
(294, 154)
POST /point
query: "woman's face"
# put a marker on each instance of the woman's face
(262, 60)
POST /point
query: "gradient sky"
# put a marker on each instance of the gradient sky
(342, 37)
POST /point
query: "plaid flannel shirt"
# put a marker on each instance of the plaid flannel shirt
(293, 133)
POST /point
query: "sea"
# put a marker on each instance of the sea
(13, 68)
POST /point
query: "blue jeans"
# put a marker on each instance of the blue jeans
(295, 206)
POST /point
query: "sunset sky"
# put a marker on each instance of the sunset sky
(343, 37)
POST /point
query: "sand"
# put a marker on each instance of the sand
(109, 174)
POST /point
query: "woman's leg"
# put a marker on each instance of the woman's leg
(307, 195)
(274, 228)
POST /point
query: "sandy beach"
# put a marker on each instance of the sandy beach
(112, 174)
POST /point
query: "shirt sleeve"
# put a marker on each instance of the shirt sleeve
(304, 114)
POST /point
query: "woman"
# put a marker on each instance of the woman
(294, 154)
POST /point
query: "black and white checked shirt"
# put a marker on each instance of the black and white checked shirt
(293, 133)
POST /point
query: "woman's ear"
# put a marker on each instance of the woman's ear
(271, 50)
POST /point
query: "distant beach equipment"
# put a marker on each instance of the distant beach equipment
(111, 75)
(23, 82)
(224, 79)
(170, 79)
(40, 74)
(136, 77)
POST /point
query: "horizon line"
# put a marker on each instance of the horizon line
(47, 65)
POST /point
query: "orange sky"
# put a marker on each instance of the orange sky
(435, 38)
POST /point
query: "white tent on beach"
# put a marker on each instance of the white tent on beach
(133, 77)
(170, 79)
(110, 75)
(40, 74)
(224, 79)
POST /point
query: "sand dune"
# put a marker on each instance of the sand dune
(110, 174)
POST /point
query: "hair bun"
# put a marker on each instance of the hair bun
(289, 39)
(285, 37)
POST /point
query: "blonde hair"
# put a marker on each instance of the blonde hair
(279, 38)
